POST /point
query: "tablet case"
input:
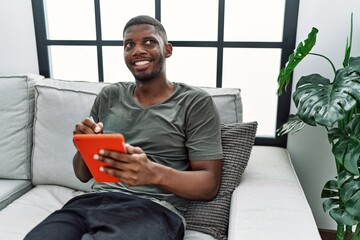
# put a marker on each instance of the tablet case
(90, 144)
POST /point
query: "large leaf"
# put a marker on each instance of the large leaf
(350, 195)
(346, 148)
(321, 102)
(341, 216)
(343, 199)
(295, 58)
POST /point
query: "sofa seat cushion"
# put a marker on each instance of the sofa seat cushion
(16, 117)
(17, 219)
(270, 185)
(12, 189)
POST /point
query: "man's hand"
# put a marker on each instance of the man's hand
(87, 126)
(132, 168)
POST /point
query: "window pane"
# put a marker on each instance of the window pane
(115, 14)
(74, 63)
(194, 66)
(256, 20)
(115, 69)
(68, 19)
(255, 72)
(190, 20)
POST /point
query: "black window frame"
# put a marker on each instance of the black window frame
(287, 46)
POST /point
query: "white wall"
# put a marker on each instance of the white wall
(17, 38)
(309, 149)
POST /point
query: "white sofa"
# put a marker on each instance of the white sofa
(38, 115)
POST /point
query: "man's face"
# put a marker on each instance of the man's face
(145, 52)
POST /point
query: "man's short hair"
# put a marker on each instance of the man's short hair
(144, 19)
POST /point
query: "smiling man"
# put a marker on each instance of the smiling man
(173, 148)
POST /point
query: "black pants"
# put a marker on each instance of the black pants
(109, 216)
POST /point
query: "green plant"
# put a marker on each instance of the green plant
(335, 106)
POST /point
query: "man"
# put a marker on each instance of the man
(173, 149)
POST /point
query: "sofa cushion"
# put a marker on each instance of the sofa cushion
(29, 210)
(212, 216)
(59, 106)
(270, 203)
(12, 189)
(16, 117)
(17, 219)
(228, 102)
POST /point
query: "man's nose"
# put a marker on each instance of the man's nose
(138, 49)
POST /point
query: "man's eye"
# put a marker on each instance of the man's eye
(149, 42)
(129, 45)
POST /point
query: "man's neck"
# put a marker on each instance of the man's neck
(153, 92)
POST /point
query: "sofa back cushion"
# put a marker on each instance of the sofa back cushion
(228, 102)
(62, 104)
(59, 106)
(16, 117)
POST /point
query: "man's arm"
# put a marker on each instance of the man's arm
(201, 183)
(81, 170)
(135, 169)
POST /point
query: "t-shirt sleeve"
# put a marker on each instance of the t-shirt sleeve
(95, 108)
(204, 130)
(100, 99)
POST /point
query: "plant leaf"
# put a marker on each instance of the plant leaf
(327, 193)
(295, 58)
(331, 185)
(330, 203)
(346, 149)
(354, 61)
(330, 190)
(343, 199)
(324, 103)
(348, 44)
(343, 177)
(341, 216)
(350, 195)
(294, 124)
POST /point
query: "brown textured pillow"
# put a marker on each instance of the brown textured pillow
(212, 217)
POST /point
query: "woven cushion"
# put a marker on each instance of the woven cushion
(212, 217)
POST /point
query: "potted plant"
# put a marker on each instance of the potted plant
(335, 106)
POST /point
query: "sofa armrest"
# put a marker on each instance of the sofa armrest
(270, 200)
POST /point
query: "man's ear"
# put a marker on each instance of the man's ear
(168, 50)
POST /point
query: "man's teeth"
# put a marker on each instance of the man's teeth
(141, 63)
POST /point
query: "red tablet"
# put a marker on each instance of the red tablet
(90, 144)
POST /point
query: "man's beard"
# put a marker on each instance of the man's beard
(147, 77)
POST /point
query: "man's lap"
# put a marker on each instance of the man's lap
(110, 216)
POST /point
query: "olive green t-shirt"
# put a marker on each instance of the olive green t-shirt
(184, 127)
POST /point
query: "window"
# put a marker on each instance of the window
(217, 43)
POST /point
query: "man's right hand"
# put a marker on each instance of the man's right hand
(87, 126)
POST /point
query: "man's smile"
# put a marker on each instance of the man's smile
(141, 63)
